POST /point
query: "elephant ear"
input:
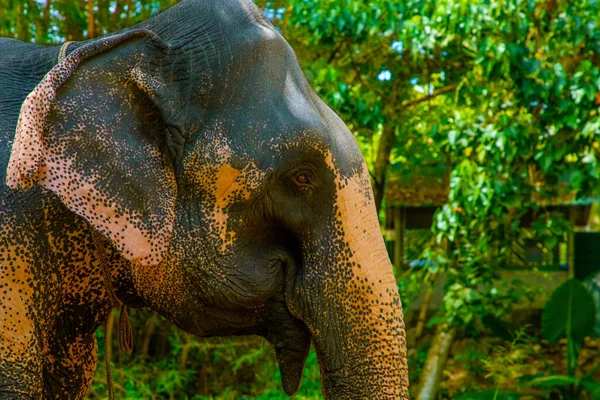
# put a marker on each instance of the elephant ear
(93, 132)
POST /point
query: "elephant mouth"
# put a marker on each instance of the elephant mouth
(291, 340)
(288, 335)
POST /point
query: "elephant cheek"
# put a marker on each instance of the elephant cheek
(230, 186)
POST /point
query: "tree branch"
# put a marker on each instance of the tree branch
(379, 92)
(430, 96)
(335, 51)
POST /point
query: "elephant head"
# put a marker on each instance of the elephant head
(242, 203)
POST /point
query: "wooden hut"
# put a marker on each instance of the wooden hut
(414, 194)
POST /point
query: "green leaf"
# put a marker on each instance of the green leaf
(577, 95)
(550, 242)
(573, 348)
(561, 77)
(593, 389)
(570, 311)
(552, 380)
(547, 162)
(489, 395)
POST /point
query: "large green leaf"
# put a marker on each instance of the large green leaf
(488, 395)
(571, 310)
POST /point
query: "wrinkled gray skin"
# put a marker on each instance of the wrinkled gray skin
(230, 199)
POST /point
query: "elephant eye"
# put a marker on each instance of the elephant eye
(302, 178)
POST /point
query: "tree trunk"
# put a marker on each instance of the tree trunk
(423, 313)
(386, 144)
(435, 363)
(116, 16)
(90, 24)
(102, 17)
(425, 308)
(185, 351)
(202, 383)
(45, 24)
(150, 328)
(128, 14)
(22, 27)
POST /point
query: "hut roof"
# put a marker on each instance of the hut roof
(417, 186)
(429, 185)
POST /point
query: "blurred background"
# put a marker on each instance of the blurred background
(479, 123)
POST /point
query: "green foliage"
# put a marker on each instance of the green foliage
(507, 363)
(521, 133)
(553, 380)
(499, 327)
(565, 386)
(53, 21)
(179, 366)
(472, 360)
(416, 362)
(490, 394)
(587, 269)
(570, 312)
(410, 284)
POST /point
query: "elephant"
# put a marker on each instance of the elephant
(185, 165)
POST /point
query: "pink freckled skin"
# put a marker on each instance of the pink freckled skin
(76, 189)
(26, 306)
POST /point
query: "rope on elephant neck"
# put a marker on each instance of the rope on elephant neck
(101, 255)
(62, 53)
(125, 333)
(110, 383)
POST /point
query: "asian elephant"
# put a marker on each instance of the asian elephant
(186, 165)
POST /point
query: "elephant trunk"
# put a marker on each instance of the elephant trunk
(357, 323)
(362, 352)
